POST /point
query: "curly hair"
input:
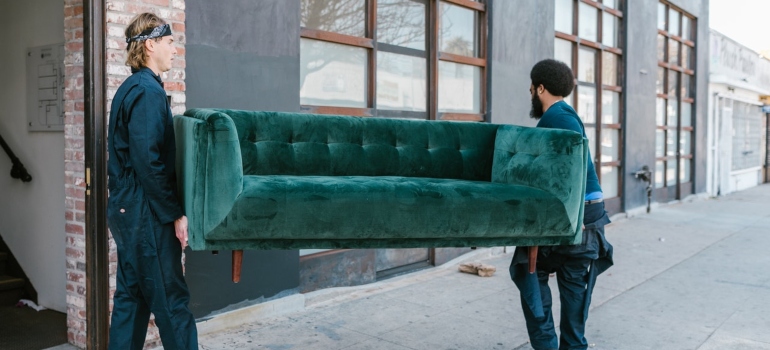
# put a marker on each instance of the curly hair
(137, 57)
(554, 75)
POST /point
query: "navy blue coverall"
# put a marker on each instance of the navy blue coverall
(576, 266)
(141, 210)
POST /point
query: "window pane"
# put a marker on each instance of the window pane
(609, 145)
(457, 32)
(684, 175)
(673, 21)
(671, 173)
(660, 143)
(672, 80)
(564, 16)
(610, 3)
(686, 56)
(659, 88)
(661, 48)
(684, 143)
(591, 136)
(586, 65)
(686, 114)
(339, 16)
(588, 22)
(401, 23)
(570, 100)
(563, 51)
(685, 86)
(587, 104)
(671, 146)
(686, 28)
(459, 88)
(610, 68)
(673, 52)
(660, 112)
(401, 82)
(609, 181)
(661, 16)
(610, 107)
(609, 28)
(659, 169)
(332, 74)
(672, 113)
(747, 137)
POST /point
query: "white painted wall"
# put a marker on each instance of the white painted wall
(32, 214)
(736, 73)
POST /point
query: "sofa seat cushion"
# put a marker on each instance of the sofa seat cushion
(315, 210)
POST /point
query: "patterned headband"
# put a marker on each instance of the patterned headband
(156, 32)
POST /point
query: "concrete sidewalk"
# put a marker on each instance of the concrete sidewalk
(692, 275)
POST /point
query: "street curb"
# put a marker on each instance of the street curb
(330, 296)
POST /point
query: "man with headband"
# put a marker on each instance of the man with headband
(144, 213)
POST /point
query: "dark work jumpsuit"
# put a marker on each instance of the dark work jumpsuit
(141, 210)
(576, 266)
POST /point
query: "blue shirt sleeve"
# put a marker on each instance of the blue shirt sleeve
(147, 128)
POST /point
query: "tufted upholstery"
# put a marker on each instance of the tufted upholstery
(272, 180)
(302, 144)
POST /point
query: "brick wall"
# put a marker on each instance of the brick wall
(118, 15)
(74, 166)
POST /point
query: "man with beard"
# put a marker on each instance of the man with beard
(576, 266)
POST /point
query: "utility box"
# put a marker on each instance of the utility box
(45, 88)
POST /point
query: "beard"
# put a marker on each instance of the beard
(537, 106)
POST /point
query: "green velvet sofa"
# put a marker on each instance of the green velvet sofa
(273, 180)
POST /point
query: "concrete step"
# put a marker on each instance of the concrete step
(3, 259)
(8, 283)
(11, 290)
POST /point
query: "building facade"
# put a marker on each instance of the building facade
(642, 90)
(739, 88)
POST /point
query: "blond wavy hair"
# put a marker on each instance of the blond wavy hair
(137, 56)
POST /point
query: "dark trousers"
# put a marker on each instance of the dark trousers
(576, 272)
(571, 277)
(149, 280)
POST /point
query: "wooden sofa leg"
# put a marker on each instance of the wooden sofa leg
(237, 262)
(532, 259)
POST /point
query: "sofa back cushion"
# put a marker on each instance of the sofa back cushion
(279, 143)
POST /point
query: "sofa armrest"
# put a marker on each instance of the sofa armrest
(553, 160)
(209, 167)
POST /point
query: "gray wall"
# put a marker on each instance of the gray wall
(640, 75)
(521, 33)
(241, 54)
(641, 69)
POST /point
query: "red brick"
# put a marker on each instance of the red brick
(73, 22)
(73, 119)
(76, 277)
(178, 27)
(136, 9)
(74, 192)
(164, 3)
(72, 228)
(72, 94)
